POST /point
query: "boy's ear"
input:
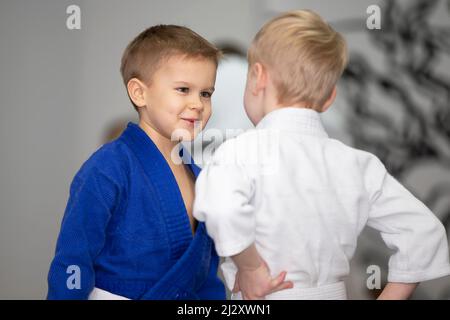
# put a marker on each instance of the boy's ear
(136, 91)
(259, 77)
(330, 100)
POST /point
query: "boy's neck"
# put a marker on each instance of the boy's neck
(271, 103)
(164, 145)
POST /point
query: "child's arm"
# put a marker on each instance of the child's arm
(223, 200)
(397, 291)
(223, 193)
(253, 278)
(409, 228)
(81, 237)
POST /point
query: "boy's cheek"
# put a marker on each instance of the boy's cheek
(206, 118)
(247, 99)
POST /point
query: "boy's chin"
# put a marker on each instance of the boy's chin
(184, 135)
(188, 139)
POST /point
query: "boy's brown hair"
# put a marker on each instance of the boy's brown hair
(150, 48)
(305, 56)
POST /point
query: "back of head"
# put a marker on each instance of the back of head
(153, 46)
(304, 55)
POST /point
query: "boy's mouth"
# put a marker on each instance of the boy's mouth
(190, 121)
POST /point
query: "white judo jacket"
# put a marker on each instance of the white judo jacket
(303, 199)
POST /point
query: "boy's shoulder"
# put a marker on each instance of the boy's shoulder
(264, 141)
(251, 137)
(111, 160)
(361, 155)
(366, 163)
(238, 144)
(340, 147)
(251, 149)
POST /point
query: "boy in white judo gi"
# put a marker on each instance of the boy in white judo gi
(285, 203)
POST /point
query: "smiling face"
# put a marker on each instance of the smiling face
(176, 104)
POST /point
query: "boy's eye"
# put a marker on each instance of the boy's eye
(206, 94)
(183, 89)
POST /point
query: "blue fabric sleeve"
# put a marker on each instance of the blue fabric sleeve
(93, 197)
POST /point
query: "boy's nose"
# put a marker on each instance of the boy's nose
(195, 105)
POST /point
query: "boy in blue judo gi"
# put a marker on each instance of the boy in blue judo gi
(128, 230)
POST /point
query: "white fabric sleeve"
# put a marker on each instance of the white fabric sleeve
(223, 193)
(407, 226)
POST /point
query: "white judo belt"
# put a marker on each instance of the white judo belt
(99, 294)
(335, 291)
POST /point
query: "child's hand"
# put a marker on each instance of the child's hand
(256, 283)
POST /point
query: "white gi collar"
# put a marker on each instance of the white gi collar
(295, 120)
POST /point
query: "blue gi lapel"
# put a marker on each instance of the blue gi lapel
(165, 186)
(190, 255)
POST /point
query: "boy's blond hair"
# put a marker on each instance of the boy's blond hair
(153, 46)
(304, 55)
